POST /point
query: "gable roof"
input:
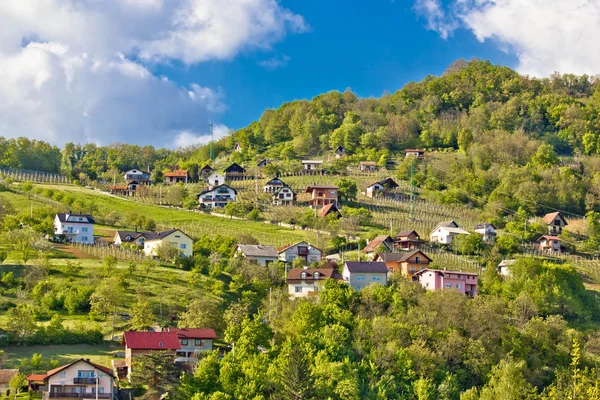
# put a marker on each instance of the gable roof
(180, 173)
(62, 217)
(161, 235)
(289, 246)
(207, 168)
(275, 181)
(281, 189)
(446, 224)
(340, 149)
(235, 167)
(87, 361)
(407, 233)
(443, 271)
(414, 151)
(456, 231)
(548, 218)
(262, 162)
(258, 250)
(548, 237)
(7, 374)
(485, 225)
(368, 163)
(215, 188)
(399, 257)
(295, 274)
(151, 340)
(310, 188)
(132, 234)
(373, 244)
(328, 209)
(312, 161)
(366, 267)
(193, 333)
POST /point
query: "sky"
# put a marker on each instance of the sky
(158, 71)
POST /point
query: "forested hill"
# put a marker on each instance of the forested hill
(509, 131)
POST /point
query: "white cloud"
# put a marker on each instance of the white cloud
(545, 35)
(437, 19)
(72, 70)
(275, 62)
(187, 138)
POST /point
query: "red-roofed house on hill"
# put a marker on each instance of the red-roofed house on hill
(329, 209)
(371, 248)
(556, 222)
(173, 177)
(80, 379)
(549, 243)
(192, 340)
(322, 195)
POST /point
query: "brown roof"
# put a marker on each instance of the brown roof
(373, 244)
(287, 246)
(310, 188)
(100, 367)
(193, 333)
(6, 374)
(181, 173)
(548, 237)
(329, 208)
(325, 273)
(258, 250)
(443, 271)
(399, 257)
(368, 163)
(548, 218)
(406, 233)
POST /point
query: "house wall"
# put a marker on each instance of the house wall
(216, 179)
(207, 345)
(289, 255)
(363, 279)
(64, 379)
(259, 260)
(435, 281)
(305, 287)
(84, 230)
(182, 242)
(208, 199)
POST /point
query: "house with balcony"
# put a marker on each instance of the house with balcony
(273, 185)
(140, 343)
(192, 341)
(218, 196)
(322, 195)
(556, 222)
(258, 253)
(177, 176)
(284, 196)
(406, 263)
(75, 228)
(360, 274)
(81, 379)
(215, 179)
(445, 232)
(173, 237)
(487, 231)
(385, 241)
(309, 253)
(408, 240)
(304, 282)
(141, 177)
(311, 165)
(549, 244)
(234, 172)
(436, 279)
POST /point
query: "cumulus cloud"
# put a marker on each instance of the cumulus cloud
(437, 18)
(545, 35)
(73, 70)
(187, 138)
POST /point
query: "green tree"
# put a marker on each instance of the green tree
(21, 320)
(507, 383)
(142, 316)
(108, 294)
(17, 383)
(348, 190)
(157, 373)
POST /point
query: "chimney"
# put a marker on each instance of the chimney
(306, 267)
(87, 359)
(445, 269)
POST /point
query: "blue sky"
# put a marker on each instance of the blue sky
(370, 49)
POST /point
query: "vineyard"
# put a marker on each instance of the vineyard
(20, 175)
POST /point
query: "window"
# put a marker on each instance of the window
(161, 344)
(177, 236)
(298, 289)
(412, 270)
(84, 238)
(448, 285)
(360, 278)
(184, 342)
(182, 246)
(376, 278)
(101, 389)
(332, 194)
(85, 374)
(316, 275)
(418, 260)
(427, 284)
(100, 375)
(459, 285)
(303, 275)
(198, 342)
(84, 229)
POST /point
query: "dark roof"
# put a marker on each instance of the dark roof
(548, 218)
(310, 188)
(325, 273)
(6, 374)
(275, 181)
(262, 162)
(446, 224)
(207, 168)
(284, 248)
(407, 233)
(373, 244)
(234, 168)
(62, 217)
(193, 333)
(151, 340)
(399, 257)
(328, 209)
(484, 225)
(132, 234)
(371, 266)
(282, 188)
(389, 182)
(161, 235)
(340, 148)
(258, 250)
(548, 237)
(215, 188)
(87, 361)
(443, 271)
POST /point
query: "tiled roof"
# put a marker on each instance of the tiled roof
(548, 237)
(161, 235)
(399, 257)
(258, 250)
(371, 266)
(193, 333)
(235, 167)
(284, 248)
(329, 208)
(97, 366)
(215, 188)
(6, 374)
(406, 233)
(36, 377)
(548, 218)
(324, 273)
(443, 271)
(310, 188)
(181, 173)
(373, 244)
(151, 340)
(132, 234)
(484, 225)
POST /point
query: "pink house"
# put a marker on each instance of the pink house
(435, 279)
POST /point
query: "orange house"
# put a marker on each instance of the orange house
(408, 264)
(322, 195)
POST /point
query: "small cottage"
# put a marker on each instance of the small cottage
(385, 241)
(74, 228)
(215, 179)
(382, 186)
(206, 171)
(408, 240)
(549, 243)
(258, 253)
(368, 166)
(417, 153)
(173, 237)
(340, 152)
(234, 172)
(303, 282)
(177, 176)
(311, 165)
(556, 222)
(273, 185)
(487, 231)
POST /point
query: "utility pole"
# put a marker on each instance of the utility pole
(412, 188)
(212, 139)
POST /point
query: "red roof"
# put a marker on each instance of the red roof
(42, 377)
(373, 244)
(36, 377)
(548, 218)
(182, 173)
(329, 208)
(151, 340)
(548, 237)
(193, 333)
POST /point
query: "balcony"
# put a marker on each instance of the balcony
(84, 381)
(55, 395)
(65, 232)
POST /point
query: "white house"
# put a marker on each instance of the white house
(380, 186)
(556, 222)
(137, 238)
(303, 281)
(504, 267)
(192, 341)
(304, 250)
(285, 196)
(217, 196)
(173, 237)
(273, 185)
(311, 165)
(360, 274)
(445, 234)
(136, 175)
(488, 231)
(261, 254)
(77, 228)
(417, 153)
(215, 179)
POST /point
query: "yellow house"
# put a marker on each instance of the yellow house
(173, 237)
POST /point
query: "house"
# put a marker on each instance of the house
(408, 264)
(368, 166)
(435, 279)
(215, 179)
(385, 240)
(311, 165)
(549, 243)
(263, 163)
(258, 253)
(139, 343)
(329, 209)
(504, 267)
(488, 231)
(77, 228)
(173, 177)
(81, 379)
(234, 172)
(417, 153)
(304, 250)
(134, 237)
(445, 231)
(360, 274)
(172, 237)
(340, 152)
(304, 281)
(192, 341)
(556, 222)
(217, 196)
(383, 185)
(5, 377)
(237, 147)
(284, 196)
(206, 171)
(143, 178)
(322, 195)
(126, 190)
(408, 240)
(273, 185)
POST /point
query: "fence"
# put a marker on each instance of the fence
(102, 251)
(21, 175)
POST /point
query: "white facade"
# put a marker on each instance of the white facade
(215, 179)
(81, 379)
(136, 174)
(302, 289)
(78, 228)
(303, 250)
(177, 239)
(487, 231)
(445, 235)
(376, 187)
(218, 196)
(310, 165)
(283, 197)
